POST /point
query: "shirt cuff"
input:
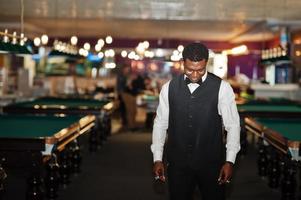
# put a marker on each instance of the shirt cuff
(231, 156)
(157, 156)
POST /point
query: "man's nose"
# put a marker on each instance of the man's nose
(194, 73)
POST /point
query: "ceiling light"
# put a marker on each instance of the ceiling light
(124, 53)
(100, 55)
(98, 47)
(101, 42)
(37, 41)
(159, 53)
(131, 55)
(86, 53)
(87, 46)
(239, 50)
(110, 65)
(180, 48)
(112, 52)
(146, 44)
(242, 49)
(44, 39)
(109, 39)
(74, 40)
(22, 42)
(81, 51)
(6, 38)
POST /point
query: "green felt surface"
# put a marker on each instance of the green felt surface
(274, 101)
(18, 126)
(150, 97)
(269, 108)
(289, 128)
(69, 103)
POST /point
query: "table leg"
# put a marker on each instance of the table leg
(76, 156)
(105, 124)
(108, 125)
(274, 170)
(64, 167)
(52, 177)
(262, 161)
(93, 139)
(99, 131)
(288, 182)
(243, 137)
(35, 187)
(2, 179)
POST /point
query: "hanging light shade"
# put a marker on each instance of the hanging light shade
(4, 47)
(14, 48)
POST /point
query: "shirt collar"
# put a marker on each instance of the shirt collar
(203, 77)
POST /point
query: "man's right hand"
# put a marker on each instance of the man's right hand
(158, 170)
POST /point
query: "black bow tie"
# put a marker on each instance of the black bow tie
(188, 81)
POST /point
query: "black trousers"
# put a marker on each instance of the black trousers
(182, 182)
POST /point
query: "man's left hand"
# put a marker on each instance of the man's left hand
(225, 173)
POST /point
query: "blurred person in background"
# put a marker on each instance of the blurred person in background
(134, 85)
(122, 79)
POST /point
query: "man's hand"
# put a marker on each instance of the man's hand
(158, 170)
(225, 173)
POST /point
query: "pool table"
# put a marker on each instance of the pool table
(266, 108)
(56, 105)
(27, 142)
(279, 150)
(270, 108)
(102, 110)
(281, 133)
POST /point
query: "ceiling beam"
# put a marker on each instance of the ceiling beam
(250, 28)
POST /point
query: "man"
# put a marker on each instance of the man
(121, 84)
(194, 107)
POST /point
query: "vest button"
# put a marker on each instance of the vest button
(190, 126)
(192, 97)
(190, 116)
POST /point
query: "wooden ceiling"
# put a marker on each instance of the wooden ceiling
(219, 20)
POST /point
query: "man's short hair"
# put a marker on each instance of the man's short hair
(195, 52)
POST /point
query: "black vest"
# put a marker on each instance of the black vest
(195, 127)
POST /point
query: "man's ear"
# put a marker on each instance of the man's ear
(182, 64)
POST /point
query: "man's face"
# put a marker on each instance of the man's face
(195, 70)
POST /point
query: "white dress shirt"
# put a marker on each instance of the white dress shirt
(226, 108)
